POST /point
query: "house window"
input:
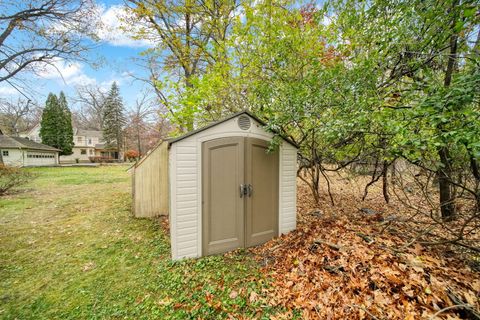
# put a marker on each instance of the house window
(91, 151)
(79, 139)
(83, 151)
(89, 141)
(5, 153)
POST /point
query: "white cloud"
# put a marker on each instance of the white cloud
(125, 78)
(127, 74)
(107, 84)
(107, 24)
(120, 80)
(59, 68)
(81, 80)
(8, 91)
(70, 73)
(113, 18)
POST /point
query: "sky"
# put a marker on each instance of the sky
(116, 53)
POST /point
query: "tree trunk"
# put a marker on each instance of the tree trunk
(476, 175)
(444, 173)
(386, 196)
(313, 182)
(189, 61)
(139, 145)
(447, 202)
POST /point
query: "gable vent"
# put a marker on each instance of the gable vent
(244, 122)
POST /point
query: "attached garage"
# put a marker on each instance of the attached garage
(227, 190)
(40, 158)
(22, 152)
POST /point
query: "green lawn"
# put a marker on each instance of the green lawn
(69, 248)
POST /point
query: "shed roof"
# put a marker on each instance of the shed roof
(213, 124)
(7, 142)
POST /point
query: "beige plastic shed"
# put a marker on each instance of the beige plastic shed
(220, 187)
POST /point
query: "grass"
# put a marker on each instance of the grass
(70, 249)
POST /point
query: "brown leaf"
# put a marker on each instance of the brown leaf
(418, 249)
(253, 297)
(208, 296)
(233, 294)
(88, 266)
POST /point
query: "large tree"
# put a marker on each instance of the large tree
(38, 33)
(17, 115)
(51, 117)
(421, 56)
(56, 124)
(141, 122)
(67, 129)
(376, 81)
(114, 119)
(90, 100)
(189, 37)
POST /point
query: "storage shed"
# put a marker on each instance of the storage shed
(225, 190)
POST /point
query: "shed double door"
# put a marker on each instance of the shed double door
(239, 194)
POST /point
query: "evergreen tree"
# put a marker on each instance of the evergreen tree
(113, 119)
(67, 129)
(49, 129)
(56, 124)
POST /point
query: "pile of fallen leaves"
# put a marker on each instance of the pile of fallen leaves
(337, 265)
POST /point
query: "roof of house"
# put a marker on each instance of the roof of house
(76, 131)
(191, 133)
(7, 142)
(88, 133)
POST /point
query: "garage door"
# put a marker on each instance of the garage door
(239, 194)
(39, 158)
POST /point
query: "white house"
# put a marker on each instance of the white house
(87, 144)
(22, 152)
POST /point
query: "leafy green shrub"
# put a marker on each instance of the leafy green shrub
(13, 177)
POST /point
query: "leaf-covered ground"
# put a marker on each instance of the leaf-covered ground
(339, 265)
(69, 249)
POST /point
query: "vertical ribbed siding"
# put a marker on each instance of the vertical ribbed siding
(186, 200)
(288, 188)
(185, 184)
(150, 183)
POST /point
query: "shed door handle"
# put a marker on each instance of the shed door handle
(243, 190)
(250, 190)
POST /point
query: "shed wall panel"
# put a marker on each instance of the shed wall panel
(183, 199)
(288, 188)
(150, 184)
